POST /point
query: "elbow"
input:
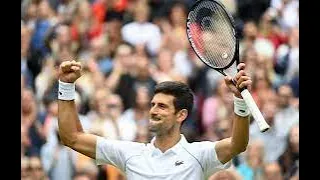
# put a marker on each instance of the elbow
(239, 149)
(68, 141)
(242, 149)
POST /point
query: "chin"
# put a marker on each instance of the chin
(153, 128)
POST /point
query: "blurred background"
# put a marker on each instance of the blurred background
(126, 48)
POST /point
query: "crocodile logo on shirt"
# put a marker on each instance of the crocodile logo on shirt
(178, 163)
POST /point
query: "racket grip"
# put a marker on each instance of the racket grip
(263, 126)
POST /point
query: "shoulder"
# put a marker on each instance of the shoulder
(123, 146)
(197, 148)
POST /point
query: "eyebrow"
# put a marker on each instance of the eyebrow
(160, 103)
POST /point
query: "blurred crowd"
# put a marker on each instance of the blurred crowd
(128, 46)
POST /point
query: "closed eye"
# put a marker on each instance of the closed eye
(162, 106)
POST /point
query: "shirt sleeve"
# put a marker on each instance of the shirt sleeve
(209, 159)
(115, 152)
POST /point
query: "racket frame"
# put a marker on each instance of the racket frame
(263, 126)
(236, 35)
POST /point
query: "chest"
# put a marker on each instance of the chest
(163, 166)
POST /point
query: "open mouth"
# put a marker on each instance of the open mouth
(155, 119)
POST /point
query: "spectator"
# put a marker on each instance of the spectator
(270, 30)
(134, 121)
(37, 172)
(272, 171)
(45, 20)
(31, 125)
(25, 170)
(25, 55)
(140, 31)
(45, 78)
(223, 128)
(98, 115)
(99, 54)
(289, 160)
(272, 150)
(262, 89)
(81, 176)
(251, 9)
(287, 58)
(216, 107)
(177, 39)
(129, 83)
(226, 174)
(58, 160)
(84, 26)
(112, 29)
(251, 168)
(249, 33)
(29, 13)
(164, 70)
(287, 115)
(287, 12)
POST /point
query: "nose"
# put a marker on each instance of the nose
(153, 111)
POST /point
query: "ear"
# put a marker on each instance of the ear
(182, 115)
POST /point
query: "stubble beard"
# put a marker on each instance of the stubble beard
(161, 130)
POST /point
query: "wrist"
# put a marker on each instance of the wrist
(66, 91)
(240, 107)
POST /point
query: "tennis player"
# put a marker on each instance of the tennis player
(168, 155)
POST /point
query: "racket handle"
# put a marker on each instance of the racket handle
(263, 126)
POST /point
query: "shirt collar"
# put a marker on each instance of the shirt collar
(174, 149)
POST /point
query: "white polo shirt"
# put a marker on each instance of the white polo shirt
(185, 161)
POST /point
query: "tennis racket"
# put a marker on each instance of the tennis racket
(213, 37)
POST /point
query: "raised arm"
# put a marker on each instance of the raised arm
(70, 129)
(227, 148)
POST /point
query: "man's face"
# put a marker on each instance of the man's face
(162, 114)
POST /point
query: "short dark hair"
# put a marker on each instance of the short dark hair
(183, 96)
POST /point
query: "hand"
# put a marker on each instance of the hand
(70, 71)
(242, 81)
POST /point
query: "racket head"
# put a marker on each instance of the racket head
(209, 20)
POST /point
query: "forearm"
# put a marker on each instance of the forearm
(68, 121)
(70, 129)
(240, 134)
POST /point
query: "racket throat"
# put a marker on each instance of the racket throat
(221, 71)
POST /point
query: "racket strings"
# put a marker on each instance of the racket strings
(212, 34)
(222, 29)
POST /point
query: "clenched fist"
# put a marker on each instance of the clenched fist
(70, 71)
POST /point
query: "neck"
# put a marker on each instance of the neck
(167, 141)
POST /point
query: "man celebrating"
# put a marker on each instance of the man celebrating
(168, 155)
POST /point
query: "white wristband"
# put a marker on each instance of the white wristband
(67, 91)
(240, 107)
